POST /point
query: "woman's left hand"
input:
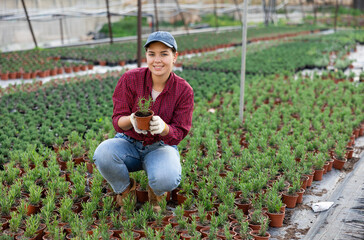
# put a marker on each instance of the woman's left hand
(157, 125)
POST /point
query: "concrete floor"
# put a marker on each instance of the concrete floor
(345, 218)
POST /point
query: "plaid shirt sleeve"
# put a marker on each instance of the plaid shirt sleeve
(181, 122)
(122, 98)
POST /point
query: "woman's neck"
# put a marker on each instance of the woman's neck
(159, 82)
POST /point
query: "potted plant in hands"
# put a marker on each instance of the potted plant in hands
(144, 113)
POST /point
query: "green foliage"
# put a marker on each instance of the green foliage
(223, 20)
(127, 26)
(15, 221)
(274, 201)
(31, 225)
(144, 105)
(319, 161)
(264, 224)
(35, 194)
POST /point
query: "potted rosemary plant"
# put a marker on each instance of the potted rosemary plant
(144, 113)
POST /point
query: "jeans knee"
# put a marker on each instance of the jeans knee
(102, 157)
(165, 183)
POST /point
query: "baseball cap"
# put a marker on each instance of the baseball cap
(163, 37)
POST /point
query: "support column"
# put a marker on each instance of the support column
(29, 23)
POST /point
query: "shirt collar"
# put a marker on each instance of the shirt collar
(150, 81)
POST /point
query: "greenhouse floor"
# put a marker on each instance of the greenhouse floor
(344, 219)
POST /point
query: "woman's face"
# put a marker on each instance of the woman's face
(160, 59)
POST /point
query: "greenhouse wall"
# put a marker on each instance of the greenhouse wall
(47, 27)
(74, 30)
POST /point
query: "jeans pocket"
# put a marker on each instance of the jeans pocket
(123, 136)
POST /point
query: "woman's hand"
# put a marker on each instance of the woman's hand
(133, 122)
(157, 126)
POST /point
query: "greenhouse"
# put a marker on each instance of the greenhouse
(261, 104)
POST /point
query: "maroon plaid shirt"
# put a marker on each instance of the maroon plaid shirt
(174, 105)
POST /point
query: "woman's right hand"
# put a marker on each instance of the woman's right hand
(133, 122)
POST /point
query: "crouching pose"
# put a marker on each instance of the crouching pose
(153, 150)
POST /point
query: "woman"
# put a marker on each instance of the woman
(154, 151)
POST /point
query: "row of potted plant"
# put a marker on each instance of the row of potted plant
(40, 68)
(41, 117)
(302, 53)
(29, 64)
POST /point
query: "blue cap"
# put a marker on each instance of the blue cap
(163, 37)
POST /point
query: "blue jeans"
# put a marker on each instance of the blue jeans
(116, 157)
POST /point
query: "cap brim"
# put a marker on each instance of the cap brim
(165, 43)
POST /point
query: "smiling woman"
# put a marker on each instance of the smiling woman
(160, 60)
(153, 150)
